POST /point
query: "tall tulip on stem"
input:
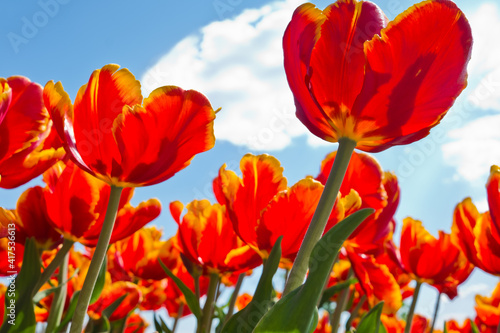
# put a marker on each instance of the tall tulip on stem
(133, 142)
(381, 93)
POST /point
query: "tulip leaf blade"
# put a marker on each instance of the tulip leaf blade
(245, 320)
(370, 323)
(296, 311)
(191, 299)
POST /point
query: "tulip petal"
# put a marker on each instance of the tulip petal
(97, 104)
(414, 72)
(160, 139)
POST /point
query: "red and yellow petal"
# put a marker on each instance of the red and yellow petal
(493, 191)
(245, 198)
(302, 33)
(289, 214)
(413, 74)
(5, 98)
(96, 107)
(111, 293)
(465, 217)
(336, 68)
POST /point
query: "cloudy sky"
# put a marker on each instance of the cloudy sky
(230, 50)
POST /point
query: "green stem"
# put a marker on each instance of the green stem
(56, 262)
(179, 315)
(341, 303)
(436, 309)
(208, 308)
(355, 313)
(321, 215)
(234, 296)
(97, 260)
(57, 307)
(409, 318)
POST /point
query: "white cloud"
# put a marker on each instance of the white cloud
(238, 64)
(485, 61)
(475, 147)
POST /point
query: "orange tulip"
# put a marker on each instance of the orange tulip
(28, 144)
(243, 300)
(76, 204)
(376, 189)
(206, 237)
(110, 294)
(115, 135)
(139, 254)
(479, 234)
(32, 220)
(488, 311)
(392, 324)
(356, 76)
(135, 324)
(246, 197)
(453, 327)
(377, 282)
(430, 260)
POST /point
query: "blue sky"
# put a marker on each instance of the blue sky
(230, 50)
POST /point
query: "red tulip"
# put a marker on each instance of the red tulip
(115, 135)
(356, 76)
(205, 225)
(479, 234)
(28, 144)
(435, 261)
(488, 311)
(76, 204)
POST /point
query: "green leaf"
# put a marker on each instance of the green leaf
(99, 284)
(19, 300)
(370, 323)
(157, 324)
(245, 320)
(44, 293)
(445, 329)
(295, 311)
(191, 299)
(314, 321)
(69, 312)
(474, 327)
(328, 293)
(164, 326)
(108, 311)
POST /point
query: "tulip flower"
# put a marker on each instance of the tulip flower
(479, 234)
(76, 205)
(368, 83)
(153, 294)
(135, 324)
(435, 261)
(29, 145)
(354, 75)
(139, 254)
(116, 136)
(203, 226)
(323, 325)
(488, 311)
(246, 197)
(32, 220)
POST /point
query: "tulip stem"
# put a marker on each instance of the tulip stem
(341, 303)
(179, 315)
(97, 260)
(321, 215)
(355, 313)
(56, 262)
(234, 296)
(57, 307)
(206, 317)
(436, 309)
(409, 318)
